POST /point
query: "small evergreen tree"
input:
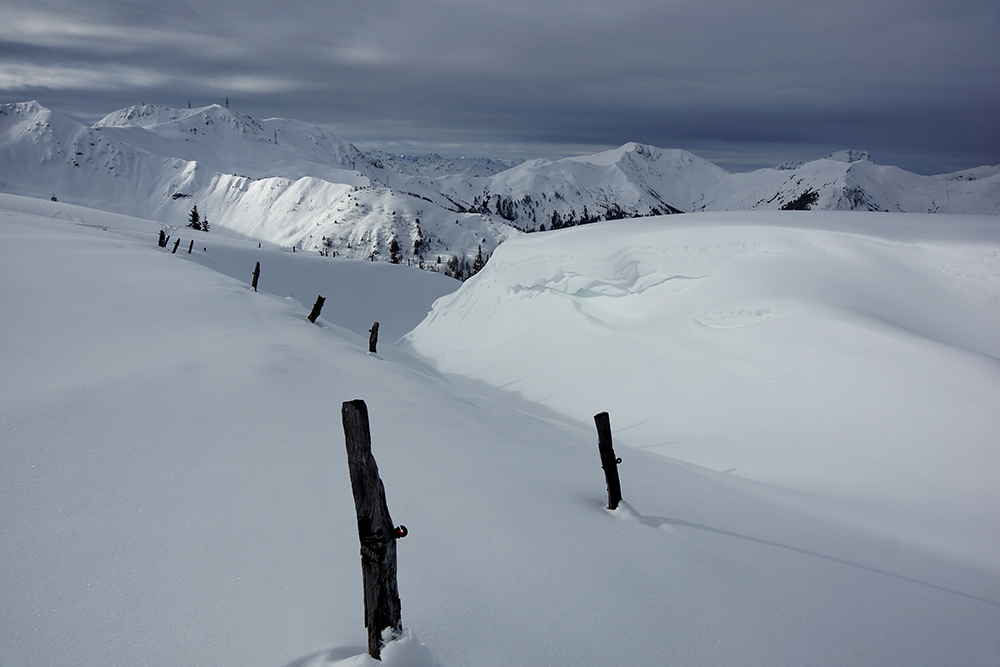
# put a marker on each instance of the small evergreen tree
(394, 251)
(194, 220)
(204, 225)
(478, 262)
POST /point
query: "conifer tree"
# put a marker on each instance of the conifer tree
(478, 263)
(194, 220)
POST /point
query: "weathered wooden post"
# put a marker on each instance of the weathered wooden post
(317, 307)
(375, 530)
(191, 246)
(373, 338)
(256, 275)
(176, 243)
(608, 459)
(162, 241)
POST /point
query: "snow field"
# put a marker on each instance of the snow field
(175, 491)
(847, 357)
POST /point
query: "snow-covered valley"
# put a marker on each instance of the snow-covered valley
(805, 404)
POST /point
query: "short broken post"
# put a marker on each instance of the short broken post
(191, 246)
(256, 275)
(317, 307)
(162, 240)
(608, 459)
(373, 338)
(375, 530)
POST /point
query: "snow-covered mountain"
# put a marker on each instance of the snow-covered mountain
(637, 180)
(293, 184)
(230, 142)
(435, 165)
(277, 181)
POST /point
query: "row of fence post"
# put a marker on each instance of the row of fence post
(378, 535)
(313, 314)
(318, 308)
(163, 239)
(376, 532)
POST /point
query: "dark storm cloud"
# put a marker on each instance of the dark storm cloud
(915, 82)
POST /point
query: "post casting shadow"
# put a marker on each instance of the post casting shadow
(658, 522)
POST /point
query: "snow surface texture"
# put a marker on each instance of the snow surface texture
(293, 184)
(175, 489)
(850, 357)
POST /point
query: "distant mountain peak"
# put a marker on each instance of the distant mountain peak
(849, 156)
(790, 165)
(298, 185)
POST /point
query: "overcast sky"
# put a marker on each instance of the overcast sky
(745, 84)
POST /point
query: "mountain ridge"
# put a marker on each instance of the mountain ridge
(294, 184)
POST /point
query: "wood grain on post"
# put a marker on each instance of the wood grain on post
(317, 307)
(375, 529)
(608, 459)
(373, 338)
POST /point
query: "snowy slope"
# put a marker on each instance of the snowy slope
(634, 180)
(638, 180)
(233, 143)
(850, 358)
(173, 497)
(294, 191)
(850, 181)
(175, 491)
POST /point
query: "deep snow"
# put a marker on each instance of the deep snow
(847, 356)
(175, 488)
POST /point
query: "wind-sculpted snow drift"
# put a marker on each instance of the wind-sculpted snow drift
(848, 357)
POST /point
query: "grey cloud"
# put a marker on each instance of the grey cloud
(915, 81)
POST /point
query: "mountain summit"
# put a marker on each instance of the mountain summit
(297, 185)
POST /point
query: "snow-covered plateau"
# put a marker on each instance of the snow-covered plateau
(805, 404)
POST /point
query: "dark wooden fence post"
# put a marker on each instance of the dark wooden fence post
(608, 459)
(176, 243)
(317, 307)
(256, 275)
(373, 338)
(375, 530)
(162, 240)
(191, 247)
